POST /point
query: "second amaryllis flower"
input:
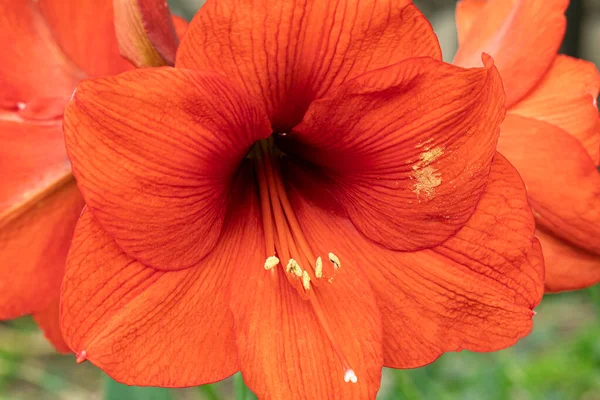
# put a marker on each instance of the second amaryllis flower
(310, 194)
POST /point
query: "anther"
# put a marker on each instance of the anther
(350, 376)
(294, 267)
(336, 261)
(271, 262)
(319, 268)
(305, 280)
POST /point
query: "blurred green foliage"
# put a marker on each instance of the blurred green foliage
(560, 360)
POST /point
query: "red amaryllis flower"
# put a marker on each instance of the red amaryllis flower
(308, 195)
(552, 130)
(48, 46)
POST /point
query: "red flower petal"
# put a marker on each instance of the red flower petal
(154, 152)
(145, 32)
(467, 12)
(32, 159)
(34, 240)
(568, 267)
(289, 53)
(562, 181)
(181, 25)
(566, 97)
(408, 148)
(148, 327)
(475, 291)
(48, 321)
(85, 31)
(523, 37)
(283, 349)
(33, 65)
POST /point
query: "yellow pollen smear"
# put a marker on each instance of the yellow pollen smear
(428, 177)
(271, 262)
(336, 261)
(319, 268)
(305, 280)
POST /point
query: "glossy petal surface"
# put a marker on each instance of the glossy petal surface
(27, 43)
(566, 97)
(34, 241)
(568, 267)
(523, 37)
(562, 181)
(85, 31)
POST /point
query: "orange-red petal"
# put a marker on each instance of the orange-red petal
(33, 65)
(48, 321)
(466, 14)
(288, 53)
(408, 148)
(566, 97)
(32, 159)
(85, 31)
(143, 326)
(476, 291)
(34, 241)
(523, 37)
(562, 181)
(283, 349)
(145, 32)
(568, 267)
(154, 152)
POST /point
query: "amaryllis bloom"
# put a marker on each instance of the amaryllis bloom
(47, 47)
(309, 195)
(552, 129)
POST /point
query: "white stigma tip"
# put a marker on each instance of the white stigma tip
(350, 376)
(21, 106)
(271, 262)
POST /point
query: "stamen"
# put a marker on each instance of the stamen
(336, 347)
(271, 262)
(336, 261)
(305, 280)
(294, 268)
(350, 376)
(319, 268)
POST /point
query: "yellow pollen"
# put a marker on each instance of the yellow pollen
(319, 268)
(305, 280)
(336, 261)
(271, 262)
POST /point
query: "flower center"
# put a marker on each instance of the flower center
(286, 244)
